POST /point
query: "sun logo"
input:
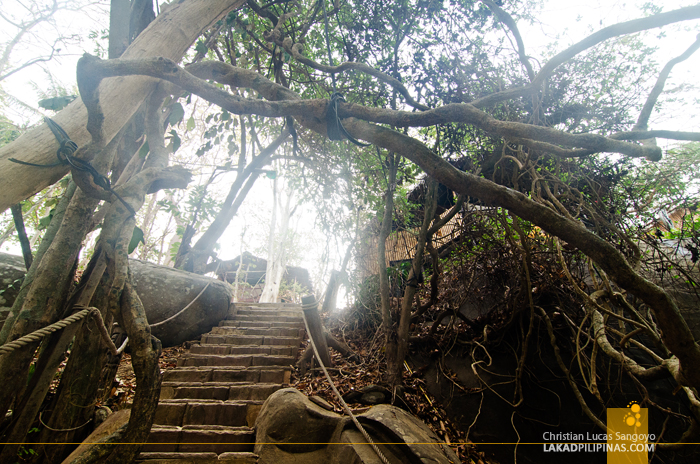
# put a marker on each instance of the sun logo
(632, 417)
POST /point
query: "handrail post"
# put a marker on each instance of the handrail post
(313, 320)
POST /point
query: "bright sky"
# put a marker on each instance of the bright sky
(564, 21)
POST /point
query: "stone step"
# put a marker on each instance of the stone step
(200, 439)
(217, 390)
(267, 305)
(252, 374)
(221, 339)
(193, 360)
(262, 324)
(291, 313)
(211, 400)
(265, 332)
(266, 318)
(210, 412)
(197, 458)
(274, 350)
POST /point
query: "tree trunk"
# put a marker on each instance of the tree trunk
(396, 352)
(170, 36)
(337, 278)
(44, 301)
(238, 269)
(381, 243)
(316, 330)
(44, 304)
(332, 342)
(277, 248)
(198, 255)
(73, 404)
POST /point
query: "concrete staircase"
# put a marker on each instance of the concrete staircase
(209, 403)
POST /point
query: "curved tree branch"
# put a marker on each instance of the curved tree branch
(643, 119)
(291, 104)
(506, 19)
(628, 27)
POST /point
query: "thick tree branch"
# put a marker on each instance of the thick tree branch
(664, 134)
(170, 35)
(291, 104)
(675, 332)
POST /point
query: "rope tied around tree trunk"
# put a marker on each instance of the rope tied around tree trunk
(334, 127)
(37, 335)
(65, 156)
(346, 408)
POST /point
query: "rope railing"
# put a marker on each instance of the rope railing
(37, 335)
(191, 302)
(41, 333)
(346, 408)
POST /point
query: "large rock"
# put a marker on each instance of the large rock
(253, 271)
(164, 292)
(291, 429)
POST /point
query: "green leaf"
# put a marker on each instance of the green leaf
(271, 174)
(175, 140)
(225, 116)
(177, 112)
(201, 48)
(190, 124)
(56, 103)
(136, 237)
(46, 220)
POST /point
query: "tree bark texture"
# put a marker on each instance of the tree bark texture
(44, 300)
(170, 35)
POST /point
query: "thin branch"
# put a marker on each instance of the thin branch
(31, 62)
(628, 27)
(507, 19)
(643, 119)
(275, 36)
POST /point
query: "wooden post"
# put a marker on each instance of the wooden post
(313, 319)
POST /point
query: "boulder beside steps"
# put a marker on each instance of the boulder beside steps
(210, 401)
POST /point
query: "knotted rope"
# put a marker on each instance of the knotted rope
(65, 156)
(334, 127)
